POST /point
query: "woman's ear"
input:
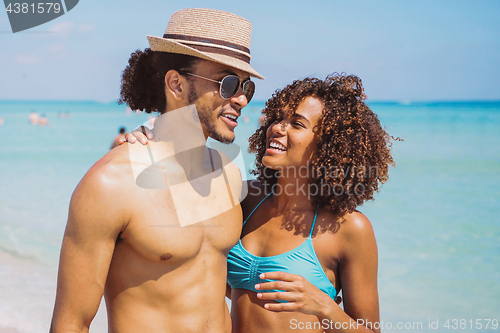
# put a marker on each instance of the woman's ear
(176, 86)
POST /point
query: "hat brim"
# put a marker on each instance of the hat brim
(172, 46)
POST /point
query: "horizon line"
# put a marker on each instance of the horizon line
(402, 101)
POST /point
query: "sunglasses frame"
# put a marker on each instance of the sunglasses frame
(240, 84)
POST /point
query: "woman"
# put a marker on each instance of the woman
(321, 152)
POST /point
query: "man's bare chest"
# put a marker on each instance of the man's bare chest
(154, 231)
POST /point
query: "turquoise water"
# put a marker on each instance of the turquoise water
(436, 220)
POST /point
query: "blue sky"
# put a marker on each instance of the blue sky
(401, 49)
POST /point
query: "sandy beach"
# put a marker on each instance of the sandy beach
(25, 279)
(7, 330)
(28, 294)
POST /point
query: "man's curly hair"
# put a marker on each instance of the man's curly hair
(143, 85)
(352, 154)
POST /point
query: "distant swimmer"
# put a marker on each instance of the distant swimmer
(34, 117)
(43, 120)
(2, 121)
(120, 136)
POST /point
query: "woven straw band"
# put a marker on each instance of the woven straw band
(213, 46)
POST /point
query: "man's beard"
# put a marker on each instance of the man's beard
(204, 113)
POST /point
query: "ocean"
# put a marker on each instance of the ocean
(437, 219)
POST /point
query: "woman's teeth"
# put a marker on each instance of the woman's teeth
(276, 145)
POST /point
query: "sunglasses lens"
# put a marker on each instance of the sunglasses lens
(229, 86)
(248, 89)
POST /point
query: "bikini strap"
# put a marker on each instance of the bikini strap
(257, 206)
(314, 221)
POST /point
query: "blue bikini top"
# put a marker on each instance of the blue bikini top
(244, 268)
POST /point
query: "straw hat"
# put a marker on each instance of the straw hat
(208, 34)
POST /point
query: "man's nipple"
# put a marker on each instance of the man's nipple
(166, 256)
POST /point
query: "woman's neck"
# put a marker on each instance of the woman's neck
(292, 194)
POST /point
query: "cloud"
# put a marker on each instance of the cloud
(55, 48)
(63, 28)
(57, 51)
(27, 59)
(86, 28)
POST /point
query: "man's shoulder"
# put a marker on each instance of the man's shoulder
(100, 197)
(111, 172)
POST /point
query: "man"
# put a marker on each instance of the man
(160, 260)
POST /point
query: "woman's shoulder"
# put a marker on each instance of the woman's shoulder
(357, 222)
(358, 236)
(352, 238)
(354, 227)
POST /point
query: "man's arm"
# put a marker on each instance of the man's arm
(94, 222)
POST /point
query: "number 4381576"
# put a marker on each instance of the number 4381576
(40, 8)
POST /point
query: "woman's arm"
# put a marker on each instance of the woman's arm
(358, 271)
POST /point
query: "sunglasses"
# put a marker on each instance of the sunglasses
(230, 84)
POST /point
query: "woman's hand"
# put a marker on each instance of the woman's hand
(141, 133)
(302, 296)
